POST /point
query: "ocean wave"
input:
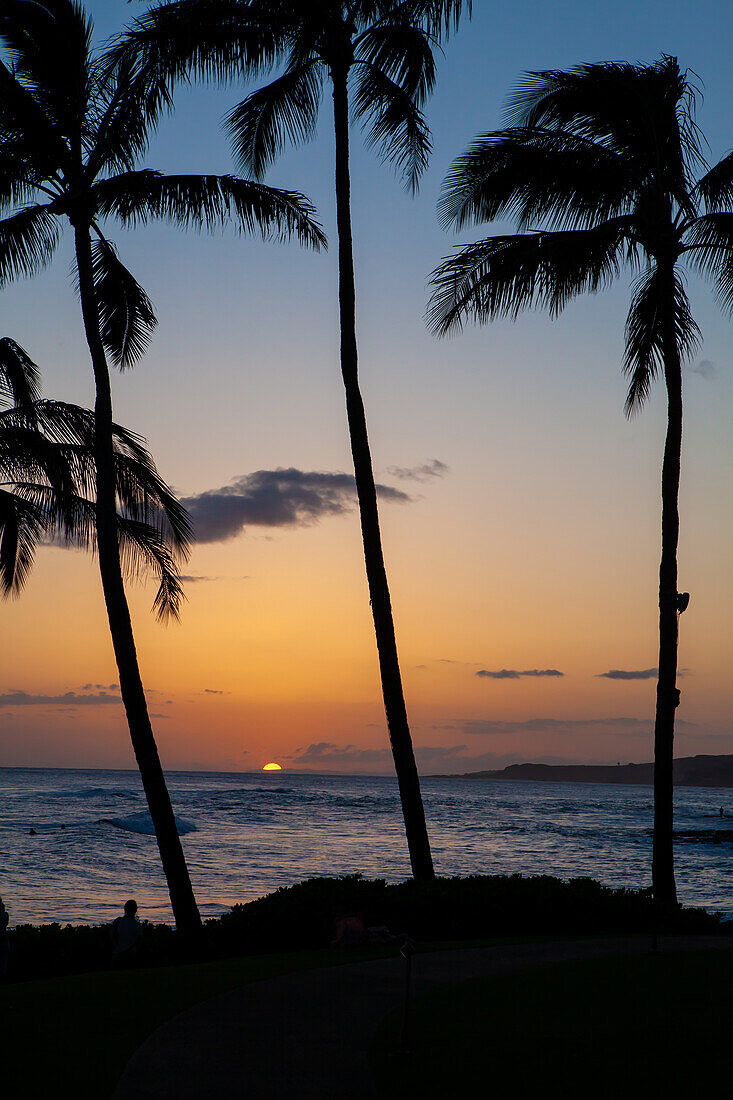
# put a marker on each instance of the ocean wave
(143, 823)
(94, 792)
(705, 836)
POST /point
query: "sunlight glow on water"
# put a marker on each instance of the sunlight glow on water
(254, 833)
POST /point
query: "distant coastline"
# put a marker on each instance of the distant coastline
(689, 771)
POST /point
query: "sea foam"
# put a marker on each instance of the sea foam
(143, 823)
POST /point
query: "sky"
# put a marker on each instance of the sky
(520, 509)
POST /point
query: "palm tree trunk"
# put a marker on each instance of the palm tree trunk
(394, 700)
(663, 882)
(183, 902)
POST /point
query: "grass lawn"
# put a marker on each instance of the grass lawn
(72, 1036)
(649, 1026)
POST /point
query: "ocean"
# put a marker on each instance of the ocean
(245, 835)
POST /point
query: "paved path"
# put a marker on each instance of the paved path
(304, 1036)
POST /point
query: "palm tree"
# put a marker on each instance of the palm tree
(605, 158)
(47, 485)
(72, 129)
(377, 57)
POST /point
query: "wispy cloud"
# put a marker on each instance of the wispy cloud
(706, 368)
(434, 468)
(515, 674)
(275, 498)
(629, 674)
(492, 726)
(69, 698)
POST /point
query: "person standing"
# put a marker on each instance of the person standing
(126, 935)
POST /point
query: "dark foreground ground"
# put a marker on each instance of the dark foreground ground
(596, 1017)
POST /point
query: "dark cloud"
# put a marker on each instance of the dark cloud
(706, 368)
(69, 698)
(515, 674)
(214, 691)
(321, 752)
(275, 498)
(444, 758)
(196, 578)
(629, 674)
(434, 468)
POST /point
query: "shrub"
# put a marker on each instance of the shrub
(303, 916)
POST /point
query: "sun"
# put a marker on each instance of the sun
(272, 767)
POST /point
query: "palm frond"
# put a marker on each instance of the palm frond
(125, 312)
(439, 17)
(19, 376)
(49, 43)
(644, 112)
(403, 53)
(536, 176)
(284, 110)
(394, 124)
(27, 131)
(211, 39)
(143, 550)
(652, 321)
(27, 242)
(134, 198)
(21, 527)
(127, 109)
(709, 250)
(716, 186)
(503, 275)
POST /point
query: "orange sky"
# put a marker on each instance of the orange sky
(538, 547)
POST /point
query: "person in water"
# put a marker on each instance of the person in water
(4, 939)
(126, 935)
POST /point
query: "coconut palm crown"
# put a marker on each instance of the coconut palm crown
(377, 57)
(47, 488)
(601, 169)
(72, 130)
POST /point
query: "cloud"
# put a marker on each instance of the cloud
(514, 674)
(446, 758)
(706, 368)
(491, 726)
(196, 578)
(434, 468)
(214, 691)
(275, 498)
(321, 752)
(69, 698)
(629, 674)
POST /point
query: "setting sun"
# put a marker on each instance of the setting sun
(272, 767)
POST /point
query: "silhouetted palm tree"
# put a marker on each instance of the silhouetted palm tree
(47, 485)
(72, 129)
(606, 158)
(378, 59)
